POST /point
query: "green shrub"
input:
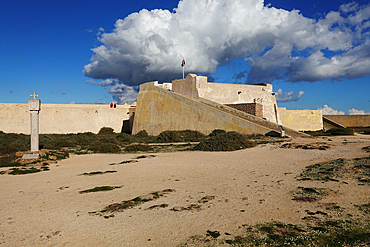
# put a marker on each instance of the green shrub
(367, 132)
(229, 141)
(191, 135)
(179, 136)
(138, 147)
(11, 143)
(106, 131)
(104, 147)
(341, 131)
(86, 138)
(216, 132)
(317, 133)
(107, 139)
(124, 138)
(170, 136)
(142, 133)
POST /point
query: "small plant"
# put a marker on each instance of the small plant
(128, 161)
(101, 188)
(308, 194)
(158, 206)
(96, 173)
(16, 171)
(213, 234)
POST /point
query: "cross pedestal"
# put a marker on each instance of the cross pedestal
(34, 107)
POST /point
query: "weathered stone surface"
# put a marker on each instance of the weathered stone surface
(63, 118)
(159, 110)
(30, 156)
(301, 120)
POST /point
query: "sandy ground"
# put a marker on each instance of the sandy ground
(248, 186)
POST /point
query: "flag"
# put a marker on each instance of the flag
(183, 63)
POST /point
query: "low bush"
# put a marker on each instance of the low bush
(228, 141)
(341, 131)
(191, 135)
(98, 147)
(170, 136)
(180, 136)
(138, 147)
(141, 133)
(216, 132)
(106, 131)
(125, 138)
(367, 132)
(317, 133)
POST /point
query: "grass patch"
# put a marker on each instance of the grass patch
(326, 171)
(365, 208)
(318, 146)
(17, 171)
(158, 206)
(225, 141)
(96, 173)
(304, 194)
(330, 233)
(118, 207)
(100, 188)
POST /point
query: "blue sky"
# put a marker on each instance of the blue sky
(46, 46)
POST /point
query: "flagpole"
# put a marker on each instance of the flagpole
(183, 68)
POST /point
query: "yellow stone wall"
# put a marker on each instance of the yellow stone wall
(158, 110)
(301, 120)
(351, 120)
(63, 118)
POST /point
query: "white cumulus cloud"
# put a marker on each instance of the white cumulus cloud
(326, 110)
(288, 96)
(353, 111)
(275, 43)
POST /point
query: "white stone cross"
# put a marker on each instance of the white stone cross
(34, 95)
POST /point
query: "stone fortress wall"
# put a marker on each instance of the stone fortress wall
(301, 120)
(223, 93)
(63, 118)
(350, 120)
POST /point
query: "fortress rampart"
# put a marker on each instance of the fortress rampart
(63, 118)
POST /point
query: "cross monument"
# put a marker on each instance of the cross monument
(34, 107)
